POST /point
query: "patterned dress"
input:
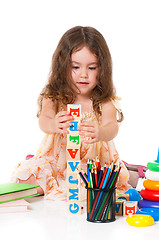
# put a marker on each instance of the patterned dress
(49, 163)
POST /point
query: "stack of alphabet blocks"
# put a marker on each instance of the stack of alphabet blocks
(73, 161)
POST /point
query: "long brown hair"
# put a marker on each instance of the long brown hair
(59, 86)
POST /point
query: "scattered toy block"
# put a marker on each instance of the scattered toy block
(123, 196)
(119, 207)
(129, 208)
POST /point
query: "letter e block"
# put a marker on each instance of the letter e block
(129, 208)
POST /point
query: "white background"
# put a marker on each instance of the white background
(30, 31)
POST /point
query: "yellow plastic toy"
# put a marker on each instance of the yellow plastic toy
(139, 220)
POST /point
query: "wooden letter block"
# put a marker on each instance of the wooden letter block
(123, 196)
(73, 140)
(72, 167)
(75, 110)
(129, 208)
(119, 207)
(73, 154)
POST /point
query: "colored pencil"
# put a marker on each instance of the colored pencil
(83, 177)
(96, 179)
(112, 184)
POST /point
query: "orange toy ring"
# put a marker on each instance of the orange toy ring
(150, 194)
(152, 185)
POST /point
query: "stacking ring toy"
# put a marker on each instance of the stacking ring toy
(139, 220)
(150, 194)
(152, 185)
(151, 175)
(153, 166)
(153, 212)
(143, 203)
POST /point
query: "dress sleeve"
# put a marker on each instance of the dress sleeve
(119, 111)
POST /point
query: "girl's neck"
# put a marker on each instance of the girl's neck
(86, 103)
(81, 98)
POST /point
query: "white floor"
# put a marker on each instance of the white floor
(49, 220)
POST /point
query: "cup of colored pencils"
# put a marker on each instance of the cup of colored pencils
(101, 190)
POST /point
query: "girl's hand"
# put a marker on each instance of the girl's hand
(62, 122)
(89, 130)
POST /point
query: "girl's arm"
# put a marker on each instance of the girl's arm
(50, 122)
(108, 129)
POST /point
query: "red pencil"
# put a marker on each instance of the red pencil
(95, 174)
(98, 164)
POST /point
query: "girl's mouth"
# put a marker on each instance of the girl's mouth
(82, 83)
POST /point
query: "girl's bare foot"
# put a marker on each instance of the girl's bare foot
(133, 178)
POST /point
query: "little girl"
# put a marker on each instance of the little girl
(81, 72)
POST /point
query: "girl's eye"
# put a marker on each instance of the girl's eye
(92, 68)
(75, 67)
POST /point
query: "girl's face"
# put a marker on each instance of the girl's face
(84, 70)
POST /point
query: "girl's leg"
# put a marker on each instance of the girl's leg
(32, 180)
(135, 172)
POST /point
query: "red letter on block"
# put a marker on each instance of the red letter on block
(129, 210)
(72, 152)
(75, 112)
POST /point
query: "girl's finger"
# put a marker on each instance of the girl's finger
(86, 124)
(62, 113)
(61, 131)
(86, 129)
(91, 135)
(65, 125)
(65, 119)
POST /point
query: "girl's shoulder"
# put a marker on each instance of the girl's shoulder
(108, 106)
(112, 107)
(48, 107)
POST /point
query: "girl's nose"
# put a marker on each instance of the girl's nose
(84, 73)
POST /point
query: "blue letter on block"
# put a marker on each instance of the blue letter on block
(74, 126)
(70, 179)
(75, 210)
(117, 207)
(74, 194)
(72, 166)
